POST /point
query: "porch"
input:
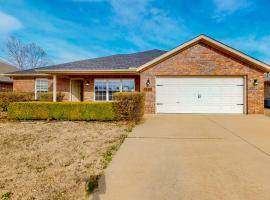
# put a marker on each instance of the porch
(92, 87)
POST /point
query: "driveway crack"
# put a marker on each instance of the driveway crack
(238, 136)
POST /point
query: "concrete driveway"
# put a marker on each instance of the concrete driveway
(186, 157)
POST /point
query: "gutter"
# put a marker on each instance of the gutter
(13, 75)
(116, 71)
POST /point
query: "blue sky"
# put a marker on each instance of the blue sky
(79, 29)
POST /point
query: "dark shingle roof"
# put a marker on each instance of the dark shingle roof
(118, 61)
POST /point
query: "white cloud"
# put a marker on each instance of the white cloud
(228, 7)
(252, 45)
(143, 24)
(8, 23)
(146, 25)
(61, 51)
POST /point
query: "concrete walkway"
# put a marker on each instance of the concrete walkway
(192, 157)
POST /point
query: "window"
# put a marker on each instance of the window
(104, 89)
(113, 86)
(41, 87)
(100, 90)
(128, 85)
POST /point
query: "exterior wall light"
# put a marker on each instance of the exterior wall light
(147, 83)
(267, 74)
(87, 83)
(255, 82)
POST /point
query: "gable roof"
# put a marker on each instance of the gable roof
(213, 43)
(118, 63)
(5, 68)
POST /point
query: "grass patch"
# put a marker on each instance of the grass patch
(92, 181)
(6, 195)
(3, 115)
(66, 159)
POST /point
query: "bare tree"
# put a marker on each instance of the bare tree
(36, 56)
(26, 56)
(16, 52)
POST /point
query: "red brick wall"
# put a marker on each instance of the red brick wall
(6, 87)
(202, 60)
(27, 84)
(23, 84)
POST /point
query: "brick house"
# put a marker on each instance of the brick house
(199, 76)
(6, 84)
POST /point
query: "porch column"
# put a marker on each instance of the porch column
(54, 88)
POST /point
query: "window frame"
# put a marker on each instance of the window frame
(107, 86)
(36, 80)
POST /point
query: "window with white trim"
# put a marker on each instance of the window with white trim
(41, 87)
(104, 88)
(100, 90)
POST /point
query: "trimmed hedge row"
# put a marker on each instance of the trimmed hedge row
(8, 97)
(129, 105)
(102, 111)
(48, 96)
(126, 106)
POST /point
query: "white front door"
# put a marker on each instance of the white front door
(200, 95)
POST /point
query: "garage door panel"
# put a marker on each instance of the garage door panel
(200, 95)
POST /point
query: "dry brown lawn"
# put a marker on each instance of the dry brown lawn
(52, 160)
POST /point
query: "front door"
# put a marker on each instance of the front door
(76, 90)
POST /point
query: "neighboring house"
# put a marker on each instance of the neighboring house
(6, 84)
(199, 76)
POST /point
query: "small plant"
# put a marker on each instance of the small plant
(6, 195)
(107, 156)
(92, 183)
(130, 126)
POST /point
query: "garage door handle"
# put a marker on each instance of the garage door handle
(159, 104)
(177, 101)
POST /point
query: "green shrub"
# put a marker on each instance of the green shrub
(48, 96)
(7, 97)
(129, 105)
(61, 111)
(6, 196)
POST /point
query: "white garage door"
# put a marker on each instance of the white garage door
(200, 95)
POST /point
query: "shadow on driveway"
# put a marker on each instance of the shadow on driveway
(100, 190)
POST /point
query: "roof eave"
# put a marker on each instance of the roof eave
(116, 71)
(15, 75)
